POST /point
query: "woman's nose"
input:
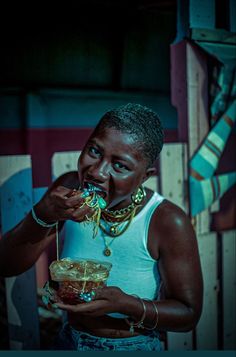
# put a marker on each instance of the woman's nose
(99, 171)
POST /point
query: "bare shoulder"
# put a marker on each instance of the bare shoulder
(170, 214)
(173, 225)
(69, 180)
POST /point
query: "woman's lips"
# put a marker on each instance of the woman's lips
(95, 188)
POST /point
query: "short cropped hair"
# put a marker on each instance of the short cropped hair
(142, 123)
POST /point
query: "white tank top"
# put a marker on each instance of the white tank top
(133, 269)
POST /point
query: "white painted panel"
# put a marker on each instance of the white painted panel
(63, 162)
(173, 174)
(11, 164)
(152, 183)
(203, 225)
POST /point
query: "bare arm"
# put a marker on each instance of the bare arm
(22, 245)
(174, 244)
(180, 269)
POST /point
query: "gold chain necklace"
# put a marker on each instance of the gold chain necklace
(122, 216)
(114, 229)
(136, 198)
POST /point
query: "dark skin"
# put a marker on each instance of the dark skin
(111, 160)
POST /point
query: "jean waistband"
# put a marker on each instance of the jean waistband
(141, 337)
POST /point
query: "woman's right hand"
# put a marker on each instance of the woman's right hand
(60, 204)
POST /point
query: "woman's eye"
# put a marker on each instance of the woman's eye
(120, 166)
(94, 151)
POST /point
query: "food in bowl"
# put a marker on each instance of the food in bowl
(74, 279)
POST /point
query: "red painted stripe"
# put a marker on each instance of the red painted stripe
(196, 175)
(229, 121)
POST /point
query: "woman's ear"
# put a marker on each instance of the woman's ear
(151, 171)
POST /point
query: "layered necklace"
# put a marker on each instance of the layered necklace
(113, 228)
(116, 221)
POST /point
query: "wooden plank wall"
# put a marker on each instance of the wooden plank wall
(218, 321)
(211, 253)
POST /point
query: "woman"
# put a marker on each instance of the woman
(149, 240)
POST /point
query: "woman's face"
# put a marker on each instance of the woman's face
(110, 162)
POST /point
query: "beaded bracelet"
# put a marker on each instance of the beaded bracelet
(47, 225)
(138, 324)
(40, 222)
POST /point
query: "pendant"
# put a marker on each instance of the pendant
(114, 230)
(107, 252)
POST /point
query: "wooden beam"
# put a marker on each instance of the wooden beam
(213, 35)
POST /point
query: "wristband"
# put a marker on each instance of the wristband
(40, 222)
(138, 324)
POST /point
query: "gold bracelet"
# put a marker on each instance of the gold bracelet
(156, 315)
(138, 324)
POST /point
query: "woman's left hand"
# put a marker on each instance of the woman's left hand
(106, 300)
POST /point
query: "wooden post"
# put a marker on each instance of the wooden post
(207, 329)
(198, 127)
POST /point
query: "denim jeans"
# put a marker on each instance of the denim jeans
(71, 339)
